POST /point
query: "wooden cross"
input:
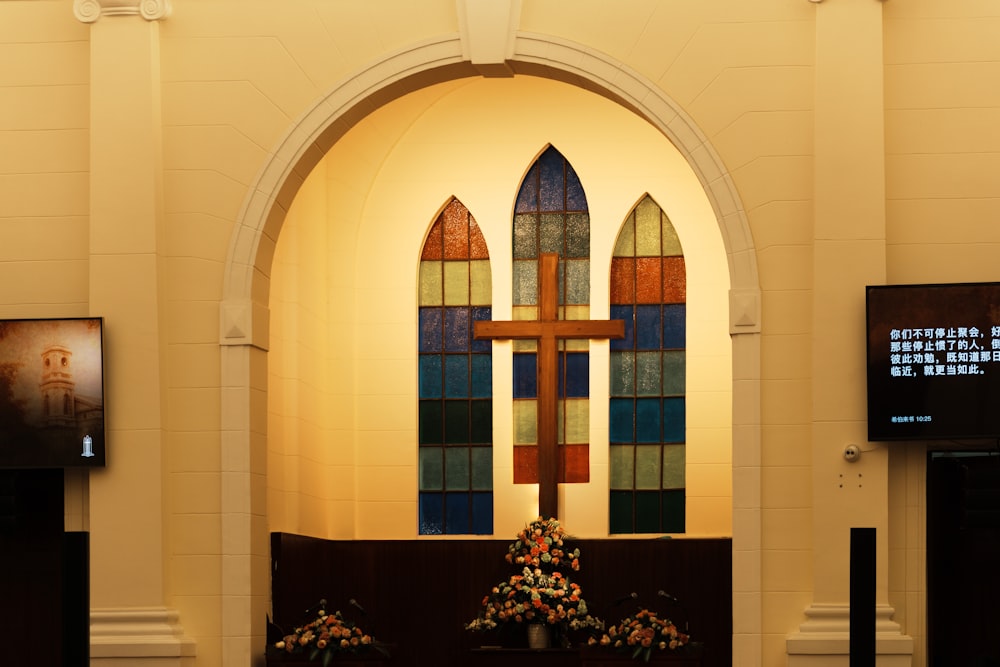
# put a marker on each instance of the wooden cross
(547, 330)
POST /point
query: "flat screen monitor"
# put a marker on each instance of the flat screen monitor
(933, 361)
(52, 393)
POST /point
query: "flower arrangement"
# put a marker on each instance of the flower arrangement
(540, 545)
(328, 635)
(643, 633)
(535, 596)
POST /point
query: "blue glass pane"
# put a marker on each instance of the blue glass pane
(482, 513)
(481, 314)
(430, 376)
(673, 419)
(431, 514)
(525, 375)
(527, 196)
(647, 327)
(430, 330)
(674, 319)
(456, 376)
(551, 193)
(577, 375)
(456, 512)
(647, 420)
(624, 313)
(456, 329)
(482, 376)
(576, 198)
(622, 412)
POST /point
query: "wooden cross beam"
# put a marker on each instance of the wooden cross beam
(547, 330)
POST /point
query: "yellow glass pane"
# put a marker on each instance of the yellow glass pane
(577, 422)
(647, 228)
(674, 461)
(526, 422)
(671, 243)
(456, 283)
(481, 283)
(430, 283)
(625, 245)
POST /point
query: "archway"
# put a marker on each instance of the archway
(244, 308)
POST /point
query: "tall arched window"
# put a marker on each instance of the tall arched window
(647, 411)
(455, 379)
(551, 216)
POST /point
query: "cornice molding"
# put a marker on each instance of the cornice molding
(89, 11)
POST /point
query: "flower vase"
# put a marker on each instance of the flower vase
(538, 636)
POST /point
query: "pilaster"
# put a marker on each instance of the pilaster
(848, 253)
(129, 621)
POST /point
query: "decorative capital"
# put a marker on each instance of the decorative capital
(88, 11)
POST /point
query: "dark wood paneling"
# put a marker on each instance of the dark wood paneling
(418, 594)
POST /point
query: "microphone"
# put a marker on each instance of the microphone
(316, 608)
(631, 596)
(673, 600)
(354, 603)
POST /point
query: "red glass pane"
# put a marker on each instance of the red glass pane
(526, 464)
(674, 280)
(622, 280)
(456, 231)
(433, 244)
(574, 464)
(477, 244)
(648, 280)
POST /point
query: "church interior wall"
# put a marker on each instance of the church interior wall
(237, 76)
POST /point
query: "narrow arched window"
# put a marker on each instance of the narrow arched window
(455, 378)
(647, 376)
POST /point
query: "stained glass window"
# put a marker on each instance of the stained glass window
(551, 216)
(647, 405)
(455, 378)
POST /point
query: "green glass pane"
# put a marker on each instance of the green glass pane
(648, 381)
(431, 469)
(577, 235)
(625, 245)
(620, 513)
(671, 243)
(430, 283)
(674, 505)
(431, 425)
(647, 229)
(621, 466)
(577, 421)
(647, 467)
(481, 422)
(622, 373)
(456, 283)
(456, 422)
(482, 283)
(456, 468)
(526, 422)
(525, 282)
(482, 468)
(674, 373)
(577, 281)
(525, 236)
(647, 512)
(550, 233)
(674, 461)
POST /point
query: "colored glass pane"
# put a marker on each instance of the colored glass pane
(455, 408)
(577, 235)
(577, 281)
(574, 422)
(525, 375)
(525, 236)
(574, 375)
(525, 422)
(648, 290)
(550, 233)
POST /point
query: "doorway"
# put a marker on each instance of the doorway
(963, 552)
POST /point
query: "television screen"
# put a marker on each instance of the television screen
(52, 393)
(933, 361)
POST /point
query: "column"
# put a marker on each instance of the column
(129, 623)
(848, 253)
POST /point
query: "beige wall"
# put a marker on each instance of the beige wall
(238, 80)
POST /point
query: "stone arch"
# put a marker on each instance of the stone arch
(243, 313)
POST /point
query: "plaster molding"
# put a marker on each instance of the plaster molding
(89, 11)
(138, 632)
(487, 29)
